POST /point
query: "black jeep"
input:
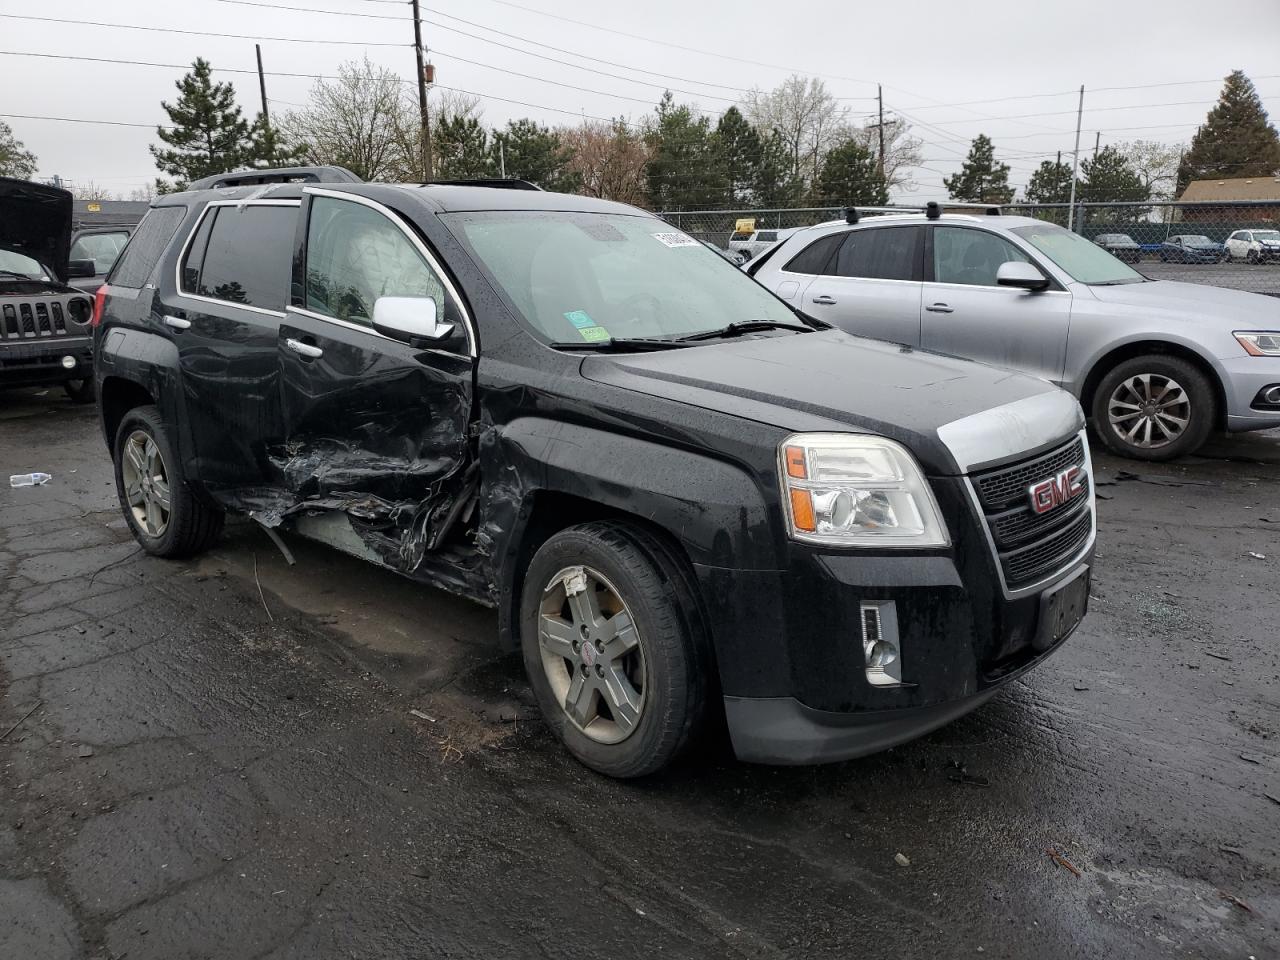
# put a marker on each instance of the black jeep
(682, 496)
(44, 323)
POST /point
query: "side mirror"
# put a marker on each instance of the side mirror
(81, 268)
(1019, 273)
(412, 320)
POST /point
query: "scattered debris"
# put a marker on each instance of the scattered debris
(1257, 556)
(84, 750)
(1251, 757)
(1062, 861)
(1160, 481)
(5, 735)
(1216, 656)
(275, 538)
(29, 479)
(1272, 797)
(960, 774)
(261, 595)
(1079, 687)
(901, 860)
(1232, 898)
(1234, 851)
(422, 716)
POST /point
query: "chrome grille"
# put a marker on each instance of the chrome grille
(1031, 546)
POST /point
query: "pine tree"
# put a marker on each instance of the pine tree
(268, 147)
(15, 159)
(531, 151)
(207, 135)
(1050, 183)
(460, 146)
(1108, 178)
(1236, 139)
(740, 152)
(850, 175)
(684, 170)
(981, 179)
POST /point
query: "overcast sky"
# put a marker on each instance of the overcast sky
(930, 56)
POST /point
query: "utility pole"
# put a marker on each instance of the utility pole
(262, 85)
(880, 128)
(502, 159)
(1097, 141)
(422, 92)
(1075, 161)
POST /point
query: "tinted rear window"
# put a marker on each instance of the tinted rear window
(146, 246)
(815, 258)
(248, 256)
(884, 254)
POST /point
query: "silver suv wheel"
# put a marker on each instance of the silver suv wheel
(1149, 410)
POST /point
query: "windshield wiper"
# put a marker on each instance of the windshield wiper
(15, 273)
(746, 326)
(1118, 283)
(621, 345)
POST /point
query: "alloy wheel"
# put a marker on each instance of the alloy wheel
(146, 483)
(1149, 410)
(592, 654)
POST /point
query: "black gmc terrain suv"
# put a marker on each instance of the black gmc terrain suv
(682, 496)
(44, 323)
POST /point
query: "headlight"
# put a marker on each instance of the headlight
(1259, 343)
(855, 491)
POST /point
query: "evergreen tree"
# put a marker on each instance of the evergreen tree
(536, 153)
(460, 149)
(740, 153)
(15, 159)
(850, 175)
(684, 167)
(772, 185)
(1236, 139)
(981, 179)
(207, 135)
(268, 147)
(1108, 178)
(1050, 183)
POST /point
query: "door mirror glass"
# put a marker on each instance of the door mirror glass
(414, 320)
(1019, 273)
(81, 268)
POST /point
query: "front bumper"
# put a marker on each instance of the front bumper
(41, 361)
(1242, 379)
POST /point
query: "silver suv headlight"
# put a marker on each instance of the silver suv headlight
(1259, 343)
(848, 490)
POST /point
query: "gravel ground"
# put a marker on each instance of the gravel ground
(218, 759)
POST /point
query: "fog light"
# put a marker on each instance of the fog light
(1271, 394)
(69, 362)
(880, 649)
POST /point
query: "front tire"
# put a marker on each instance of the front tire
(165, 515)
(614, 648)
(1154, 407)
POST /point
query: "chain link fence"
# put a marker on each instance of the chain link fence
(1226, 244)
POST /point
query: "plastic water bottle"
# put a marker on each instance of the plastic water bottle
(29, 479)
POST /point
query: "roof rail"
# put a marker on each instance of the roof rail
(501, 184)
(244, 178)
(933, 209)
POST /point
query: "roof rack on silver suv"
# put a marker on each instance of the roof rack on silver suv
(932, 210)
(245, 178)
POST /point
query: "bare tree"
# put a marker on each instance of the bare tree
(901, 150)
(146, 192)
(809, 120)
(446, 106)
(609, 158)
(1155, 163)
(88, 190)
(355, 121)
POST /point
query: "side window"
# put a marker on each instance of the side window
(195, 252)
(767, 236)
(816, 257)
(970, 256)
(880, 254)
(146, 246)
(101, 248)
(356, 255)
(246, 255)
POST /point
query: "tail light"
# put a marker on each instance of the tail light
(99, 301)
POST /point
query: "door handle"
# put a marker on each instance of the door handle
(177, 323)
(304, 349)
(825, 300)
(940, 308)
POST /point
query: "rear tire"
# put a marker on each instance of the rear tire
(165, 515)
(1154, 407)
(627, 625)
(80, 391)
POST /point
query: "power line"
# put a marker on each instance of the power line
(197, 33)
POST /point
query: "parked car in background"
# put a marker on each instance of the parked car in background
(1120, 245)
(44, 323)
(1192, 248)
(686, 500)
(102, 245)
(1157, 364)
(758, 241)
(1254, 246)
(733, 256)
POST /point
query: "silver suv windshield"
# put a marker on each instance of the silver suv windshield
(592, 277)
(1083, 261)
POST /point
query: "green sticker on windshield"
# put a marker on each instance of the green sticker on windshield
(579, 318)
(594, 334)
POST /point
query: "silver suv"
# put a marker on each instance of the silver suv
(1157, 364)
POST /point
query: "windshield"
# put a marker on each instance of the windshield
(1197, 241)
(1271, 236)
(13, 262)
(590, 277)
(101, 248)
(1083, 261)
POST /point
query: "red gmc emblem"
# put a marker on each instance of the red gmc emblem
(1057, 490)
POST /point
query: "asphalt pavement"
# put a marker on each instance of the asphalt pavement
(218, 759)
(1250, 277)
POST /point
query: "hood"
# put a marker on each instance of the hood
(836, 382)
(35, 219)
(1216, 306)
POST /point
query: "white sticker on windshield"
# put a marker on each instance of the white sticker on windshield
(675, 239)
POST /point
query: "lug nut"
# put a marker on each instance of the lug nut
(599, 670)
